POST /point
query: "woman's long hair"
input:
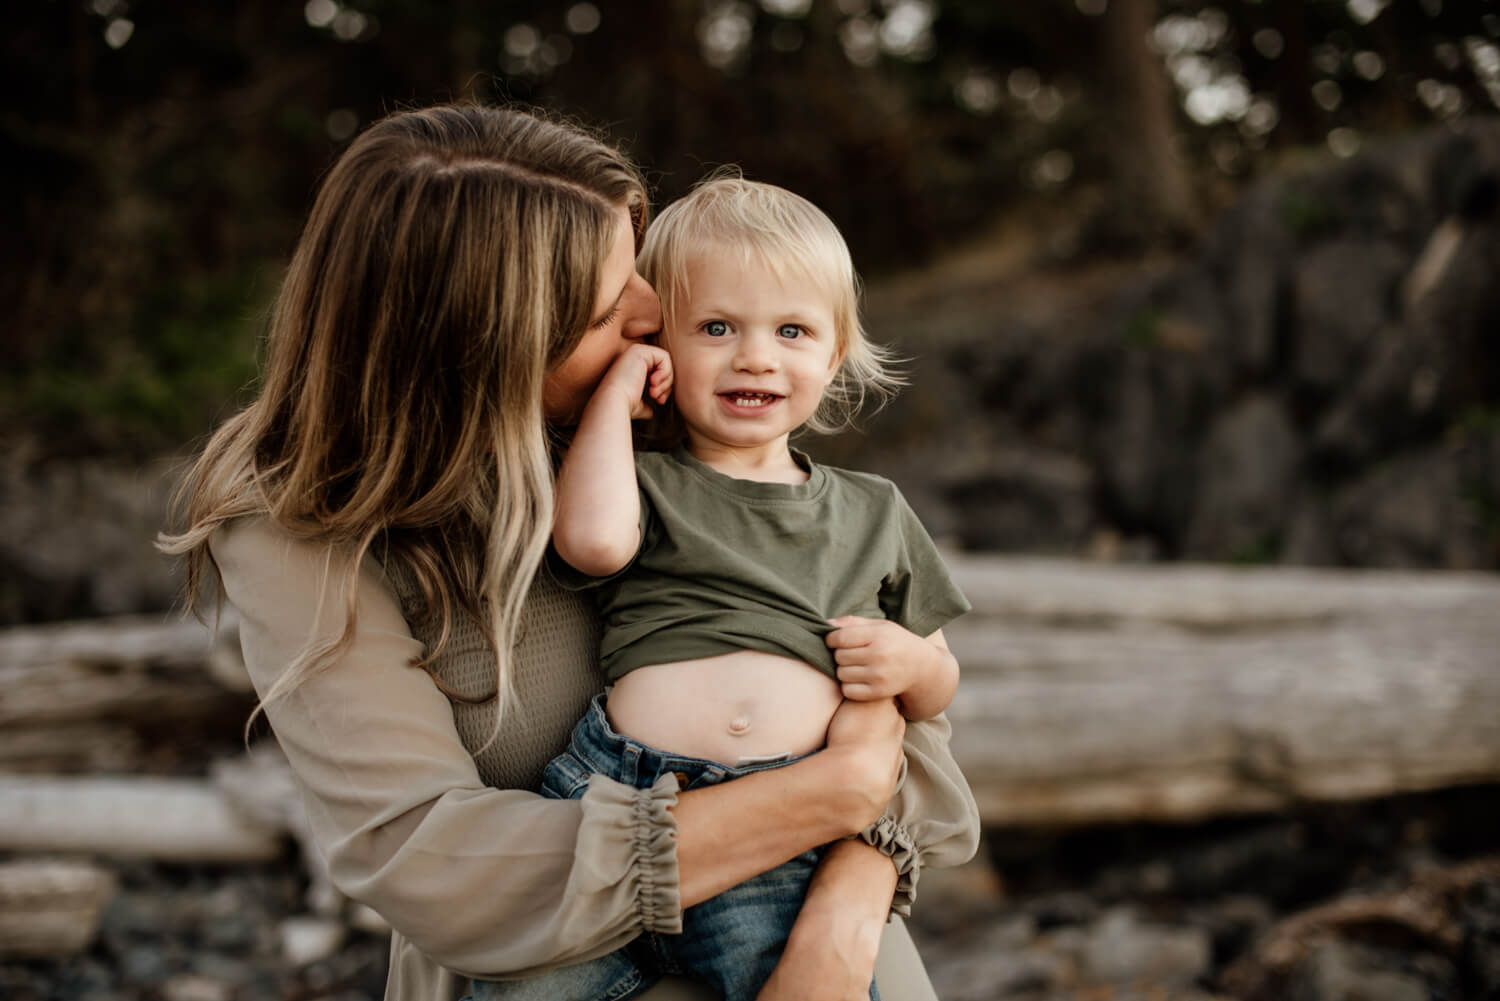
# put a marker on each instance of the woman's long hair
(451, 259)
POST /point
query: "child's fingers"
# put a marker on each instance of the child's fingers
(849, 636)
(661, 379)
(874, 675)
(861, 692)
(852, 656)
(661, 386)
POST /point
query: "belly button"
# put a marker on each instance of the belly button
(739, 726)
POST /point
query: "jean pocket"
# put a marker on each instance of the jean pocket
(565, 777)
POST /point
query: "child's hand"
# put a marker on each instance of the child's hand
(641, 370)
(879, 659)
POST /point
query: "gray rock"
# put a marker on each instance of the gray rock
(1032, 500)
(1343, 295)
(1121, 949)
(1338, 971)
(194, 987)
(77, 539)
(1251, 250)
(1415, 511)
(1248, 464)
(988, 976)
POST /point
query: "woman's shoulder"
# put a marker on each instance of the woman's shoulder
(256, 543)
(263, 563)
(255, 551)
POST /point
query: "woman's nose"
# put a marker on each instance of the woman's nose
(644, 316)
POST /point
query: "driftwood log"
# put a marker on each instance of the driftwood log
(1096, 694)
(90, 696)
(139, 817)
(1091, 694)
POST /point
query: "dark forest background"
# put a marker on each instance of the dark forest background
(995, 166)
(161, 155)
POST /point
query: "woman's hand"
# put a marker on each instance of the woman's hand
(868, 736)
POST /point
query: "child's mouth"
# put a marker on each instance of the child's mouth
(750, 401)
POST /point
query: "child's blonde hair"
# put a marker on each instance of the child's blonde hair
(790, 235)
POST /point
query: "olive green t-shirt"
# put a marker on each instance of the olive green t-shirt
(728, 564)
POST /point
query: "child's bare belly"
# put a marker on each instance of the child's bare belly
(746, 704)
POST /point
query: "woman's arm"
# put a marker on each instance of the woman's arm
(492, 882)
(768, 816)
(932, 820)
(596, 524)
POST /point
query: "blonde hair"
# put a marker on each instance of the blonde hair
(790, 235)
(451, 259)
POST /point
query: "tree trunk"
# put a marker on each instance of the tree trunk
(1154, 192)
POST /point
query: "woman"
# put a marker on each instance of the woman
(378, 515)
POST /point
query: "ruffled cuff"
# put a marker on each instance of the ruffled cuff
(652, 838)
(894, 840)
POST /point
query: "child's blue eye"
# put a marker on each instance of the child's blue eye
(790, 331)
(716, 328)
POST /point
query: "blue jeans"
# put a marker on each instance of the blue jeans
(731, 942)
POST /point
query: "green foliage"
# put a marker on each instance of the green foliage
(157, 167)
(1143, 329)
(1260, 551)
(1309, 214)
(1477, 420)
(184, 364)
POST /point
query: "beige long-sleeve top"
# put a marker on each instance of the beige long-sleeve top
(442, 836)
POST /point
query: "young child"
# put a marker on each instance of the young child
(746, 591)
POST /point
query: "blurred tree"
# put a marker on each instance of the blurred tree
(164, 153)
(1153, 195)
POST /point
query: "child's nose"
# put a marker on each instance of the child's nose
(754, 354)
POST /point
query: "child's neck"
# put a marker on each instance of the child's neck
(771, 462)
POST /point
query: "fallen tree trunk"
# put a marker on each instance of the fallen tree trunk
(116, 669)
(1108, 694)
(100, 695)
(177, 819)
(1091, 694)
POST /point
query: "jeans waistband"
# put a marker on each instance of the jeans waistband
(608, 752)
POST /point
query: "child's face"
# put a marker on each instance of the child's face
(751, 352)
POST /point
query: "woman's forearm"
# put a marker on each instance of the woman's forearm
(769, 817)
(772, 816)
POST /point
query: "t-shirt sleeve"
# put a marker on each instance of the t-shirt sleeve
(573, 579)
(919, 592)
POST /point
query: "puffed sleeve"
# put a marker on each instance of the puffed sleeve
(933, 819)
(491, 883)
